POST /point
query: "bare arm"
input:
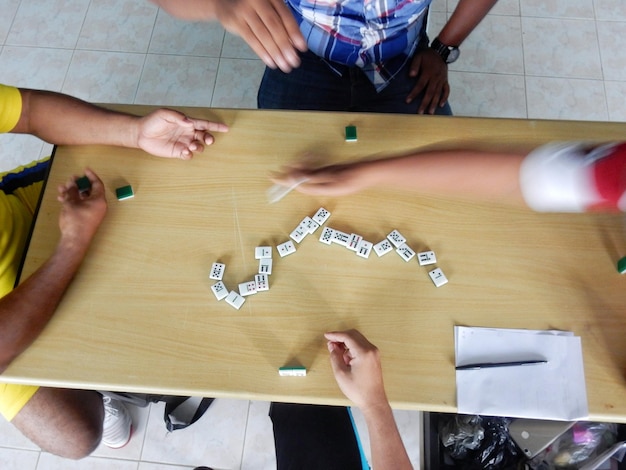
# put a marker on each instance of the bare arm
(466, 173)
(64, 120)
(356, 365)
(267, 26)
(26, 310)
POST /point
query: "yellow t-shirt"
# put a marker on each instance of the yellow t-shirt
(15, 219)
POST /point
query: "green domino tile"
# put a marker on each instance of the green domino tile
(292, 371)
(83, 184)
(125, 192)
(350, 133)
(621, 265)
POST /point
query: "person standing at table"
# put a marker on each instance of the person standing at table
(69, 423)
(348, 55)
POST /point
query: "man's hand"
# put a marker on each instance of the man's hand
(356, 365)
(269, 28)
(81, 213)
(168, 133)
(432, 79)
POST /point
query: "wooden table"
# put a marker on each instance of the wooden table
(140, 315)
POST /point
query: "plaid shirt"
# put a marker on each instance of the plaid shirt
(379, 36)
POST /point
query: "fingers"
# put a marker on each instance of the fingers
(353, 340)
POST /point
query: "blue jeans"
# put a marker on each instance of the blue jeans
(314, 86)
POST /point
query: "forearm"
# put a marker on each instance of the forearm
(466, 173)
(387, 449)
(464, 19)
(63, 120)
(27, 309)
(191, 10)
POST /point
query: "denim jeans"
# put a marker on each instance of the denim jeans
(314, 86)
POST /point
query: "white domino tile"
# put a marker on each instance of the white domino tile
(426, 257)
(327, 235)
(217, 271)
(235, 300)
(364, 248)
(341, 238)
(247, 288)
(321, 216)
(265, 266)
(353, 241)
(298, 234)
(309, 224)
(286, 248)
(405, 252)
(438, 277)
(383, 247)
(220, 290)
(262, 282)
(292, 372)
(396, 238)
(262, 252)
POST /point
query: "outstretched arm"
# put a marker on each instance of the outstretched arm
(467, 173)
(26, 310)
(356, 365)
(64, 120)
(267, 26)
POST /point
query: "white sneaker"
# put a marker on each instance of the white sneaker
(117, 423)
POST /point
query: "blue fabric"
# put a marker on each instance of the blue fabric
(24, 177)
(378, 36)
(358, 441)
(315, 86)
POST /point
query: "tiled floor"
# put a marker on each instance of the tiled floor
(561, 59)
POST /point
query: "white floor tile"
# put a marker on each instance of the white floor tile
(9, 9)
(15, 459)
(502, 7)
(177, 80)
(34, 67)
(118, 25)
(18, 150)
(558, 8)
(612, 51)
(161, 466)
(615, 93)
(236, 48)
(215, 440)
(53, 23)
(565, 98)
(487, 95)
(507, 57)
(613, 10)
(173, 36)
(52, 462)
(561, 48)
(259, 452)
(237, 83)
(104, 77)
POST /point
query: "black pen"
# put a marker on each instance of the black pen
(487, 365)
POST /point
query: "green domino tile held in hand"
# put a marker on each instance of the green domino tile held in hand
(83, 184)
(621, 265)
(125, 192)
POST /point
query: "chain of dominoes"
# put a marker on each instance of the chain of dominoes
(308, 226)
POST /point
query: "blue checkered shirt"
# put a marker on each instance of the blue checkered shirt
(379, 36)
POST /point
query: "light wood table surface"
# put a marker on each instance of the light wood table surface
(140, 315)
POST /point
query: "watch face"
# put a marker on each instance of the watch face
(454, 54)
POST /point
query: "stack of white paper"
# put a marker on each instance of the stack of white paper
(553, 390)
